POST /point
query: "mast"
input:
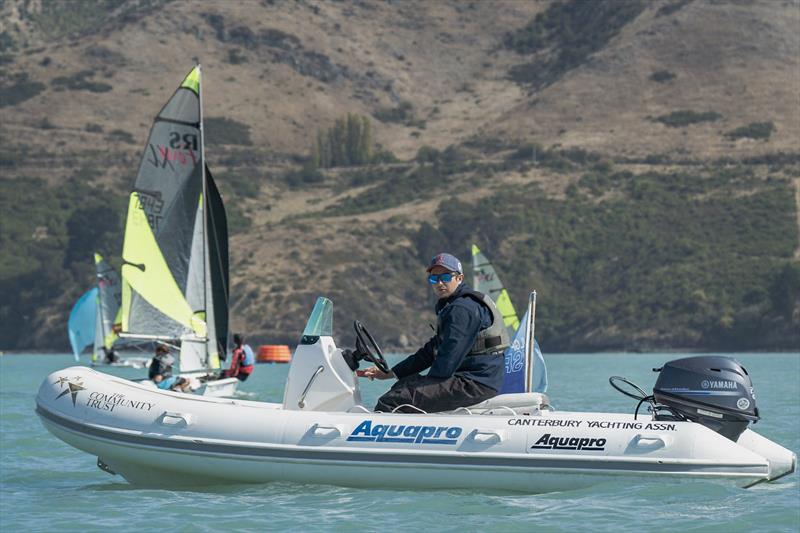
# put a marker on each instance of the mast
(100, 300)
(205, 204)
(530, 341)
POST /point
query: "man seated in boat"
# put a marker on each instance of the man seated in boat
(160, 371)
(465, 356)
(243, 361)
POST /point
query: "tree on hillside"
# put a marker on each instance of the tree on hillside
(348, 143)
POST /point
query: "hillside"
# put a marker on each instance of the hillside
(637, 163)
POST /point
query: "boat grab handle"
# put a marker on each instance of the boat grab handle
(650, 441)
(486, 436)
(302, 402)
(175, 419)
(325, 431)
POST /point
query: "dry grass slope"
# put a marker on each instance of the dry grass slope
(287, 69)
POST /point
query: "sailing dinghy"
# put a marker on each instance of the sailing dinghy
(109, 298)
(91, 321)
(175, 275)
(523, 373)
(82, 322)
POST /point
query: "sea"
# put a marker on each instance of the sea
(46, 485)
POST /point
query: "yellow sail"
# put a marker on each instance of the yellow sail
(125, 306)
(192, 80)
(485, 280)
(145, 271)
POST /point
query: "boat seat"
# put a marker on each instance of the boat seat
(519, 403)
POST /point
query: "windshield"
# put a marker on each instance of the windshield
(320, 323)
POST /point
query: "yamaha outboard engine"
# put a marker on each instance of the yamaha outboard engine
(712, 390)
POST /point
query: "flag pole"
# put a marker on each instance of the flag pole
(530, 327)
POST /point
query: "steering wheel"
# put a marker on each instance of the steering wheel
(369, 351)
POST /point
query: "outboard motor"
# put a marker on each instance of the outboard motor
(711, 390)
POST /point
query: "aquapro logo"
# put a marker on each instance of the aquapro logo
(548, 442)
(366, 432)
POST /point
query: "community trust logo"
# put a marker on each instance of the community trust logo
(71, 387)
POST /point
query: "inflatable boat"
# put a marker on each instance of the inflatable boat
(695, 427)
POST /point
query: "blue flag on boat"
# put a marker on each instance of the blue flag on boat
(82, 322)
(516, 372)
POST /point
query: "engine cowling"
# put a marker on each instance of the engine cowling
(715, 391)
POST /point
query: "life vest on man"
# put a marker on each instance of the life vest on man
(238, 365)
(492, 340)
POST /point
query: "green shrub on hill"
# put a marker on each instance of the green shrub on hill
(400, 114)
(754, 130)
(20, 89)
(235, 57)
(80, 82)
(305, 176)
(427, 154)
(383, 155)
(662, 76)
(679, 119)
(122, 136)
(7, 42)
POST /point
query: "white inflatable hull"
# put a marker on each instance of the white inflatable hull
(128, 362)
(218, 388)
(154, 437)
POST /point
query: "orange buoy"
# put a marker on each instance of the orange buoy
(274, 353)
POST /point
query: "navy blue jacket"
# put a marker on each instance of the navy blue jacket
(461, 320)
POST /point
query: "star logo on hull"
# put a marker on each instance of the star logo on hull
(73, 387)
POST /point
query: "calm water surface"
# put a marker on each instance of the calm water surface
(46, 485)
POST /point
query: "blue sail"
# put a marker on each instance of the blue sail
(515, 371)
(82, 322)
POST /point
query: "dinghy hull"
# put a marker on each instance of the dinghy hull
(161, 438)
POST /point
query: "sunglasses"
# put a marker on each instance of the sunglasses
(447, 277)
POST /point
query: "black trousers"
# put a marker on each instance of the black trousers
(433, 395)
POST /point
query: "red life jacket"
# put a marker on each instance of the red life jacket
(236, 363)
